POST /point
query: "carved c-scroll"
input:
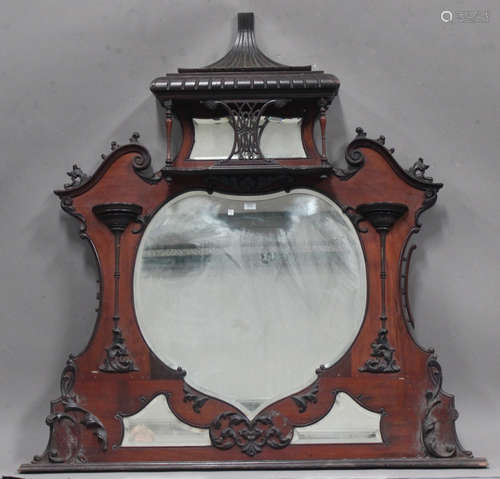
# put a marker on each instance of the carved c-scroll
(66, 421)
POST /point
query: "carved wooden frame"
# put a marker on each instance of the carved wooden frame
(418, 422)
(384, 370)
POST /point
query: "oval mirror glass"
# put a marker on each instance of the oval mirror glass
(250, 295)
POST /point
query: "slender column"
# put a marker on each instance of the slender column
(117, 216)
(323, 105)
(383, 276)
(382, 217)
(116, 315)
(168, 126)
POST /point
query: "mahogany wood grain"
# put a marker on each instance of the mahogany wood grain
(401, 397)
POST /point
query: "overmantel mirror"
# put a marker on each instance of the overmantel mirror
(253, 307)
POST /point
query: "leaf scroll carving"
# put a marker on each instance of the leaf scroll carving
(195, 397)
(435, 441)
(302, 400)
(231, 429)
(66, 421)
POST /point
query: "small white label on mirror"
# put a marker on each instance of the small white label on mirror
(280, 288)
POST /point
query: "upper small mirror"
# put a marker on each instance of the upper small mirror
(279, 138)
(250, 294)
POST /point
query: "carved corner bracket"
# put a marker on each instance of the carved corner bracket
(67, 206)
(66, 420)
(437, 440)
(355, 218)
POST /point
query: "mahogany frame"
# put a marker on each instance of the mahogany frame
(418, 417)
(384, 370)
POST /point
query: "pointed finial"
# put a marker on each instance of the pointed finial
(417, 171)
(135, 137)
(360, 133)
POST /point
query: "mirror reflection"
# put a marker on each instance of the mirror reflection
(250, 294)
(157, 425)
(346, 423)
(280, 138)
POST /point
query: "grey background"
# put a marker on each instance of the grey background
(74, 75)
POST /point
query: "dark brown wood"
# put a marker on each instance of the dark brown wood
(245, 69)
(382, 216)
(402, 463)
(385, 204)
(322, 121)
(117, 217)
(168, 127)
(418, 420)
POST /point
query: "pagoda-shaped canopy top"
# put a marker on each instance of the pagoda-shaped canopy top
(245, 68)
(245, 55)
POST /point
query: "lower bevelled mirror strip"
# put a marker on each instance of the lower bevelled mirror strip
(347, 422)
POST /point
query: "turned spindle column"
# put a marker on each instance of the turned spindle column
(323, 106)
(117, 216)
(168, 129)
(382, 216)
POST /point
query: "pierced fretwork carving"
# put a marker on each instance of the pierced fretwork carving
(231, 428)
(245, 119)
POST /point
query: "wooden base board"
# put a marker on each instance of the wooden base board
(400, 463)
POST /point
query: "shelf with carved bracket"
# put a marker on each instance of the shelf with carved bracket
(382, 217)
(250, 259)
(117, 217)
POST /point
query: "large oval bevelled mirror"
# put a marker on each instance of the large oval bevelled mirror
(250, 295)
